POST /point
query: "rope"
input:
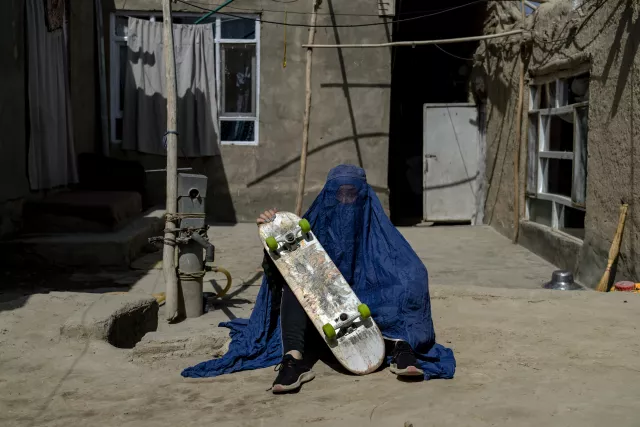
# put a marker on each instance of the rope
(169, 242)
(172, 217)
(183, 275)
(164, 137)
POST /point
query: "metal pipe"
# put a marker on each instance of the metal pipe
(207, 245)
(191, 274)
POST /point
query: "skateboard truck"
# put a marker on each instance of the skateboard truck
(345, 321)
(289, 238)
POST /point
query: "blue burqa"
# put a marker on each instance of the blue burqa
(374, 258)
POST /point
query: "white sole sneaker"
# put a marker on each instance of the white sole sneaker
(409, 371)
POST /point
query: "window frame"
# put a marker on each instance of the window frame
(538, 140)
(115, 41)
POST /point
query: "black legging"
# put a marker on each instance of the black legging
(293, 322)
(298, 332)
(293, 319)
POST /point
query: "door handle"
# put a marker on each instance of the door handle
(430, 156)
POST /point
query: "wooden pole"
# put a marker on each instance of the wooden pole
(168, 254)
(307, 112)
(614, 250)
(516, 153)
(414, 43)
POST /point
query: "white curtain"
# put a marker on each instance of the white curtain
(145, 100)
(51, 157)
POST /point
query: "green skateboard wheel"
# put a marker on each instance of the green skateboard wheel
(272, 243)
(364, 311)
(329, 331)
(304, 226)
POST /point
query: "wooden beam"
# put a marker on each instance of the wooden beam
(516, 153)
(307, 112)
(413, 43)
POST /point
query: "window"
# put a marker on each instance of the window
(557, 154)
(237, 72)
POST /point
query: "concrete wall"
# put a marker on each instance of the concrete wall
(349, 124)
(607, 35)
(13, 155)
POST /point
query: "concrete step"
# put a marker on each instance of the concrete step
(81, 211)
(111, 249)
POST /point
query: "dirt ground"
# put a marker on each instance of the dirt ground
(526, 357)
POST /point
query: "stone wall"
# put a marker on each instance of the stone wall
(605, 36)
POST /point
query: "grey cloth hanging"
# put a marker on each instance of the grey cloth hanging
(145, 99)
(51, 159)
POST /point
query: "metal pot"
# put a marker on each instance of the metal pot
(562, 280)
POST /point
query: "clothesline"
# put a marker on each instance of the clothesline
(414, 43)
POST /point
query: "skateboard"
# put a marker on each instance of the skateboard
(336, 312)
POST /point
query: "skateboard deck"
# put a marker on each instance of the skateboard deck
(341, 319)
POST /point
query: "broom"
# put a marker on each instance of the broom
(603, 286)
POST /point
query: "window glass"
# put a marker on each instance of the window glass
(121, 26)
(235, 131)
(122, 50)
(237, 28)
(238, 81)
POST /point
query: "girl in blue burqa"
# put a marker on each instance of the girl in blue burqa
(382, 269)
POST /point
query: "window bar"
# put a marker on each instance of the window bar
(256, 127)
(218, 63)
(578, 190)
(532, 156)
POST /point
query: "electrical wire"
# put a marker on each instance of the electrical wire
(194, 3)
(439, 12)
(371, 24)
(452, 55)
(538, 39)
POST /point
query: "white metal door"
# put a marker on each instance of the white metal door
(451, 155)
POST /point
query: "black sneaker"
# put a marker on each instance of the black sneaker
(404, 362)
(292, 374)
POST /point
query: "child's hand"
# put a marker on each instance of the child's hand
(267, 216)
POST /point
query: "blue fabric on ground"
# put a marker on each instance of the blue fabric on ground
(382, 268)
